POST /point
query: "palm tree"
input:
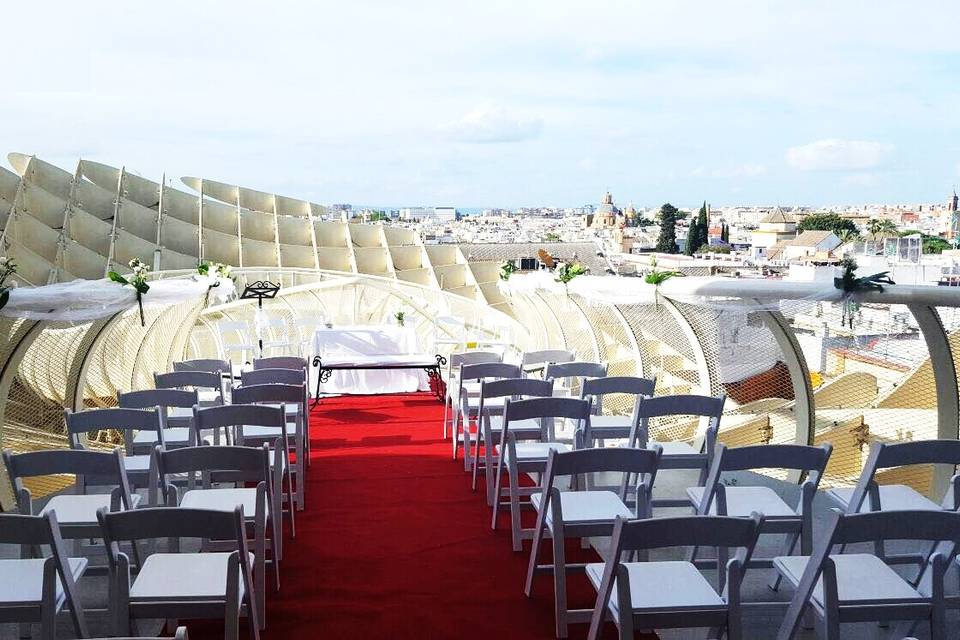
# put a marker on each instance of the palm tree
(847, 236)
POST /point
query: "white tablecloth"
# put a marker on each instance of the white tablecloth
(339, 343)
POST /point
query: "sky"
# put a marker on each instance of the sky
(499, 104)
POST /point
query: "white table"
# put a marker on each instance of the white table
(366, 347)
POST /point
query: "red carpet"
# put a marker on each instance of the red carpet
(394, 544)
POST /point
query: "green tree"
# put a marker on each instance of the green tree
(551, 237)
(826, 222)
(698, 234)
(934, 244)
(876, 227)
(667, 240)
(725, 233)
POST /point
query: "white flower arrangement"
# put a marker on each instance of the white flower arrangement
(138, 280)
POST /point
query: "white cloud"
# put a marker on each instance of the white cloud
(833, 154)
(490, 124)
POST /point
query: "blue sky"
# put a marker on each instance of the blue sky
(499, 103)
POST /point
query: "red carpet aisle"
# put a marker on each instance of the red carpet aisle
(393, 543)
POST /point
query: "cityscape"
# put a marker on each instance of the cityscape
(917, 242)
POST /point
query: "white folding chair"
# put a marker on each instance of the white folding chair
(739, 500)
(209, 385)
(490, 421)
(568, 377)
(210, 365)
(468, 408)
(454, 385)
(260, 421)
(679, 454)
(231, 465)
(536, 361)
(278, 332)
(294, 363)
(585, 513)
(520, 451)
(36, 589)
(859, 587)
(672, 594)
(77, 511)
(129, 421)
(611, 427)
(178, 405)
(236, 336)
(181, 585)
(280, 396)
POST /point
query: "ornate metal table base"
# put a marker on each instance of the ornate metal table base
(432, 371)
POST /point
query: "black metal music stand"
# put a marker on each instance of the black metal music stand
(260, 290)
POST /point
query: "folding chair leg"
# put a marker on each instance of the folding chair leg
(446, 413)
(535, 553)
(496, 498)
(467, 453)
(560, 582)
(476, 462)
(515, 511)
(488, 472)
(789, 545)
(455, 433)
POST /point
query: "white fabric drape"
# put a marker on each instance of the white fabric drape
(84, 300)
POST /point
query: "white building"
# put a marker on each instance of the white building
(436, 214)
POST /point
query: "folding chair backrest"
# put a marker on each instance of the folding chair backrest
(516, 388)
(28, 530)
(280, 362)
(238, 414)
(473, 357)
(275, 392)
(679, 406)
(195, 379)
(209, 365)
(532, 359)
(558, 370)
(688, 531)
(126, 420)
(921, 525)
(30, 464)
(224, 463)
(164, 522)
(272, 376)
(797, 457)
(631, 385)
(612, 459)
(150, 398)
(597, 388)
(901, 454)
(486, 370)
(536, 408)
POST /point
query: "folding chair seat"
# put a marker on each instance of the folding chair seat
(522, 452)
(455, 385)
(679, 454)
(859, 587)
(279, 396)
(35, 590)
(179, 634)
(612, 427)
(672, 594)
(178, 405)
(718, 498)
(139, 472)
(468, 408)
(584, 513)
(232, 465)
(568, 377)
(239, 415)
(181, 585)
